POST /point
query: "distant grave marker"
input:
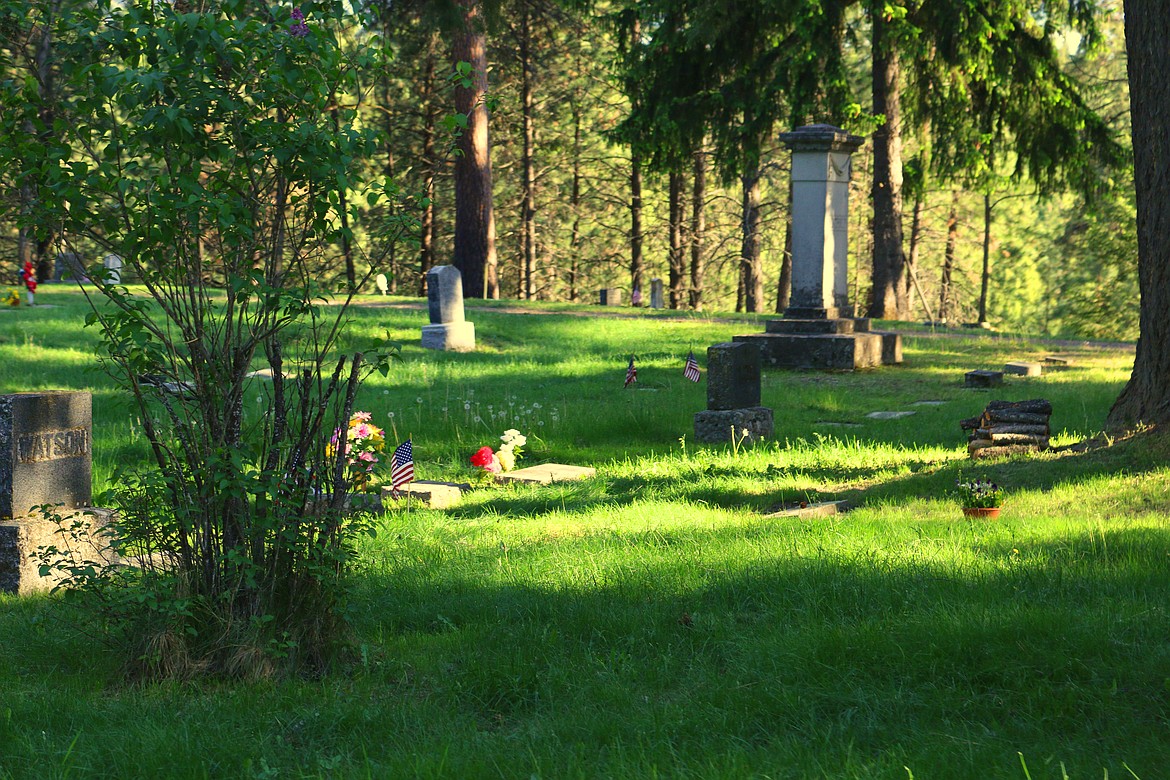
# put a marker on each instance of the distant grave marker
(382, 284)
(448, 330)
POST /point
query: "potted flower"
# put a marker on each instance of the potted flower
(979, 498)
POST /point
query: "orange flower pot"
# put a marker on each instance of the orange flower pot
(981, 512)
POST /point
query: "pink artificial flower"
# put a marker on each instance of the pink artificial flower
(362, 431)
(362, 416)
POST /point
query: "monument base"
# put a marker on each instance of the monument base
(22, 537)
(712, 427)
(451, 336)
(844, 344)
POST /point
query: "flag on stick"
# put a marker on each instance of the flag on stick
(402, 467)
(631, 373)
(691, 369)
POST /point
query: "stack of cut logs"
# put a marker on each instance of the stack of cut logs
(1009, 427)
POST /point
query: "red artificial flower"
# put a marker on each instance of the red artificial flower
(483, 457)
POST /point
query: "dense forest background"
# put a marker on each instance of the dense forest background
(583, 197)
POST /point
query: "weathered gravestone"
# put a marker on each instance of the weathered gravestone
(733, 396)
(819, 330)
(609, 296)
(448, 330)
(113, 266)
(69, 267)
(45, 458)
(656, 294)
(382, 284)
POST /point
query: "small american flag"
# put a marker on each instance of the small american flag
(402, 467)
(631, 373)
(691, 370)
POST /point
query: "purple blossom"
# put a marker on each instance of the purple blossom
(298, 29)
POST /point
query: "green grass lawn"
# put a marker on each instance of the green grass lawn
(654, 621)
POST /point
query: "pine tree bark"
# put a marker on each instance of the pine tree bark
(751, 271)
(677, 262)
(948, 267)
(475, 227)
(1146, 397)
(575, 203)
(527, 157)
(890, 298)
(636, 262)
(784, 282)
(428, 229)
(698, 228)
(985, 277)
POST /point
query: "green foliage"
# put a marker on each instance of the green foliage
(210, 151)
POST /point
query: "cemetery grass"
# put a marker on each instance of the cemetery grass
(658, 619)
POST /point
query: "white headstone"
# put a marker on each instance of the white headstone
(382, 284)
(113, 266)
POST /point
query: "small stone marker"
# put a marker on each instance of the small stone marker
(929, 403)
(1058, 362)
(656, 294)
(1022, 368)
(113, 266)
(547, 473)
(609, 296)
(983, 378)
(45, 458)
(448, 330)
(733, 396)
(822, 509)
(382, 284)
(436, 495)
(888, 415)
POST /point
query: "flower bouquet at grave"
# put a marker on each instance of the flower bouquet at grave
(979, 497)
(12, 298)
(362, 442)
(495, 462)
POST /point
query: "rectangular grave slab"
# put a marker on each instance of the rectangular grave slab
(983, 378)
(609, 296)
(822, 509)
(1022, 368)
(433, 495)
(733, 376)
(845, 352)
(547, 473)
(45, 456)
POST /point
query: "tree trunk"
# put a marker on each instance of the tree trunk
(698, 228)
(635, 221)
(428, 229)
(575, 204)
(46, 94)
(1146, 397)
(944, 287)
(527, 162)
(343, 213)
(890, 289)
(475, 227)
(784, 283)
(751, 271)
(677, 262)
(985, 286)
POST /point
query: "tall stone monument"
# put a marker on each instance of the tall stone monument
(448, 330)
(45, 459)
(819, 329)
